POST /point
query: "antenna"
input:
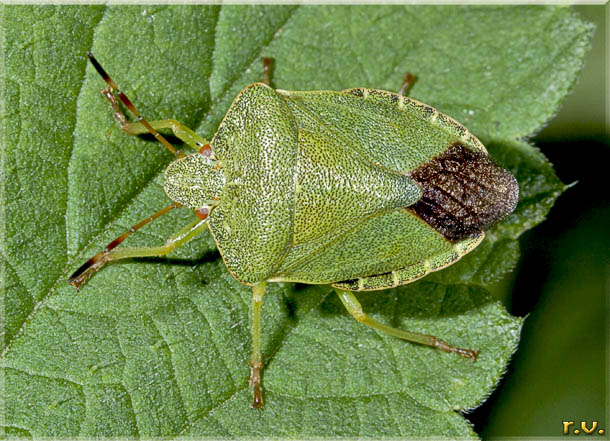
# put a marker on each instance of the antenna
(113, 88)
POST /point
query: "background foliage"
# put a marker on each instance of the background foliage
(560, 370)
(160, 346)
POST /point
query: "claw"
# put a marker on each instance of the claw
(255, 382)
(468, 353)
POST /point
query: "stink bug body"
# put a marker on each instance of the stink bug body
(360, 189)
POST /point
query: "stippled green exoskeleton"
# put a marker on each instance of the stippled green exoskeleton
(360, 189)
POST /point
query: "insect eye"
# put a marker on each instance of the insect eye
(202, 213)
(206, 150)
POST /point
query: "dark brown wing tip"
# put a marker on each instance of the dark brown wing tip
(464, 192)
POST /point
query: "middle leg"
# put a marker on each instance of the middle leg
(407, 83)
(256, 362)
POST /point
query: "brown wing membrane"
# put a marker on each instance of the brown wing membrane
(464, 192)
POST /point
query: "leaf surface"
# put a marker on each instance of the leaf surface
(160, 347)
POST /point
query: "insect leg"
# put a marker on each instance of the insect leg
(109, 254)
(407, 83)
(256, 362)
(355, 309)
(267, 66)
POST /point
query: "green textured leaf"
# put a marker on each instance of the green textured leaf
(160, 347)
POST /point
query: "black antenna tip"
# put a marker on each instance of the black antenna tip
(100, 70)
(92, 58)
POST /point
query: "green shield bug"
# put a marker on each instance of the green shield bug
(360, 189)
